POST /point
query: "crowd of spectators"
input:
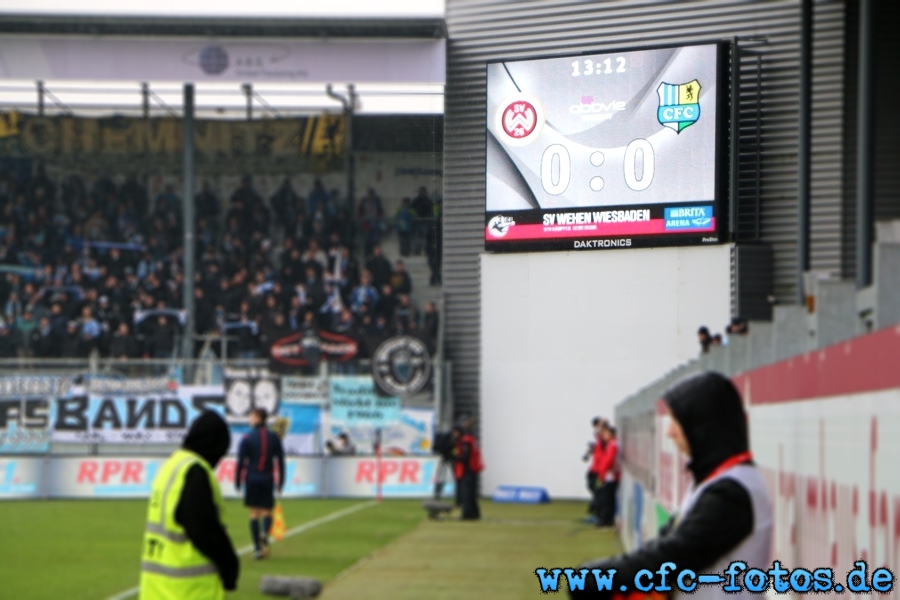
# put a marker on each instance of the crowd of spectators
(738, 326)
(98, 267)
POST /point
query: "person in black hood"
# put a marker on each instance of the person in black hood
(210, 438)
(726, 516)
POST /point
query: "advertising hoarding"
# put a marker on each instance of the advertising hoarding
(407, 477)
(27, 412)
(132, 477)
(21, 477)
(411, 435)
(354, 402)
(617, 149)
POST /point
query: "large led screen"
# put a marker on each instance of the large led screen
(611, 150)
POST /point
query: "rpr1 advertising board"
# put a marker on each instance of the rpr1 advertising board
(132, 477)
(606, 150)
(406, 477)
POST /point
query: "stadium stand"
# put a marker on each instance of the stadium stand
(96, 267)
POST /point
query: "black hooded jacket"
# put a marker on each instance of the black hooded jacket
(196, 512)
(710, 412)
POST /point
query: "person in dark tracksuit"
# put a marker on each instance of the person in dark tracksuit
(257, 455)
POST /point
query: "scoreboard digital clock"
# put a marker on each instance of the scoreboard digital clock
(611, 150)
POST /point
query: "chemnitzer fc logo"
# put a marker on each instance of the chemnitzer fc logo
(401, 366)
(519, 120)
(679, 105)
(499, 226)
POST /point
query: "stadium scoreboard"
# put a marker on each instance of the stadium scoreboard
(612, 150)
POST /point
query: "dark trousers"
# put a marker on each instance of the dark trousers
(591, 483)
(468, 496)
(608, 495)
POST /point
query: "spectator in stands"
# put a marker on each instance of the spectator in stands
(44, 341)
(342, 446)
(363, 295)
(7, 342)
(318, 197)
(423, 207)
(285, 203)
(24, 328)
(206, 203)
(387, 302)
(738, 326)
(310, 341)
(434, 248)
(705, 339)
(379, 267)
(420, 334)
(404, 222)
(371, 215)
(315, 289)
(400, 280)
(137, 264)
(162, 340)
(166, 207)
(123, 345)
(72, 345)
(430, 321)
(376, 335)
(274, 328)
(404, 314)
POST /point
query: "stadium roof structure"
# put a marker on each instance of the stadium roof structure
(97, 57)
(396, 28)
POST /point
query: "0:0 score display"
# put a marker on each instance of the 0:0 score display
(639, 163)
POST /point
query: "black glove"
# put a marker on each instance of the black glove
(667, 528)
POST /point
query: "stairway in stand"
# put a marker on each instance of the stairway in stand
(419, 273)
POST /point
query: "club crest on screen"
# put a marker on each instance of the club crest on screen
(499, 226)
(519, 120)
(679, 105)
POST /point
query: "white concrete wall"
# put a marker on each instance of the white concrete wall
(567, 336)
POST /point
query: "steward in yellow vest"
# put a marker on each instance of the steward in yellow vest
(187, 553)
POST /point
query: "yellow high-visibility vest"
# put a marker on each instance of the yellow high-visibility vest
(172, 568)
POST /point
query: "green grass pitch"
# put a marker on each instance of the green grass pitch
(90, 549)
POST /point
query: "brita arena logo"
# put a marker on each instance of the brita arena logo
(499, 226)
(519, 120)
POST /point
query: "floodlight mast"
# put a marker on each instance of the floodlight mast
(349, 105)
(187, 204)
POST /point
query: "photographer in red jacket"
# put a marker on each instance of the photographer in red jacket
(595, 454)
(467, 465)
(608, 477)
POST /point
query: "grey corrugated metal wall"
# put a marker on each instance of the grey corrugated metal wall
(480, 31)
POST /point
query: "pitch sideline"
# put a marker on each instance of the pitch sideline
(291, 532)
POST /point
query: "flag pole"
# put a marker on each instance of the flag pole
(380, 476)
